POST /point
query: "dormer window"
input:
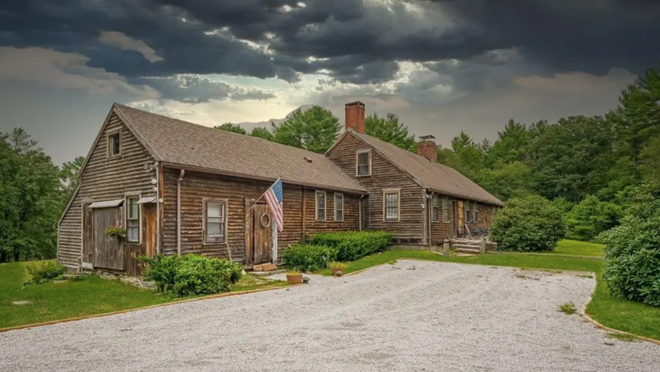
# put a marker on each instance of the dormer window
(363, 163)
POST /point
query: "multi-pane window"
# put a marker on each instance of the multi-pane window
(445, 209)
(339, 207)
(216, 212)
(114, 144)
(320, 205)
(132, 220)
(471, 212)
(475, 212)
(391, 205)
(436, 209)
(468, 212)
(363, 163)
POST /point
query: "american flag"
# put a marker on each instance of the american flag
(274, 200)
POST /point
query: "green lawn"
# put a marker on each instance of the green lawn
(87, 296)
(574, 247)
(608, 310)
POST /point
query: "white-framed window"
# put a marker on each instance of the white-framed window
(363, 163)
(132, 219)
(114, 144)
(320, 205)
(215, 221)
(435, 205)
(391, 204)
(445, 209)
(339, 206)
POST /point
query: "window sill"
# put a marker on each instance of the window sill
(363, 175)
(213, 244)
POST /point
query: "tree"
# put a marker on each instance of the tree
(229, 127)
(511, 145)
(69, 177)
(30, 199)
(508, 180)
(650, 161)
(528, 224)
(315, 129)
(390, 129)
(262, 132)
(591, 217)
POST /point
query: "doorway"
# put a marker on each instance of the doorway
(262, 234)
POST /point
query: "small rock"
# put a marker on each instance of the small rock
(20, 303)
(339, 273)
(305, 279)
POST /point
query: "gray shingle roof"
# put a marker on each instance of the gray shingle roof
(178, 142)
(431, 175)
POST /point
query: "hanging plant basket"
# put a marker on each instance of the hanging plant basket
(118, 233)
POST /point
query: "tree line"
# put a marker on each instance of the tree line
(588, 166)
(33, 194)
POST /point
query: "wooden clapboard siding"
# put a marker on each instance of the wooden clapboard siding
(384, 175)
(441, 230)
(104, 179)
(196, 186)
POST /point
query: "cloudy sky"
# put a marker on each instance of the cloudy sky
(442, 65)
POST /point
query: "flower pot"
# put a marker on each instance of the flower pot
(294, 278)
(337, 271)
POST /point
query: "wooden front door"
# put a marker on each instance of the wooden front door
(108, 252)
(262, 234)
(460, 217)
(149, 235)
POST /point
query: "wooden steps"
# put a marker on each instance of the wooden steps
(466, 246)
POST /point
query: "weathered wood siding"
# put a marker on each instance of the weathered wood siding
(104, 179)
(384, 175)
(441, 230)
(195, 187)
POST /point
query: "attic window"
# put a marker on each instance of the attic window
(363, 163)
(114, 144)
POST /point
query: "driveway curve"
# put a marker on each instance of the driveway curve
(409, 316)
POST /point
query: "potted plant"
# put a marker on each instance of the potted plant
(338, 268)
(117, 232)
(294, 277)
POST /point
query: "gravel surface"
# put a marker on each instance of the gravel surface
(410, 316)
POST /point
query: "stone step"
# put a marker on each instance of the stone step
(467, 251)
(467, 246)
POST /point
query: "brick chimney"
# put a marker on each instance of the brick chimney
(355, 116)
(427, 148)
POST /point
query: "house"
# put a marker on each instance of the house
(179, 188)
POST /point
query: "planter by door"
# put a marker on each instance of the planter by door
(262, 233)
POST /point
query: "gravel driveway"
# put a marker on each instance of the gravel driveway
(410, 316)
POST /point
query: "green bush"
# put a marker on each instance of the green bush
(42, 272)
(191, 274)
(528, 224)
(632, 252)
(591, 217)
(309, 258)
(352, 245)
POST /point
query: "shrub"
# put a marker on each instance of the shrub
(42, 272)
(191, 274)
(528, 224)
(309, 258)
(591, 217)
(338, 265)
(632, 252)
(351, 245)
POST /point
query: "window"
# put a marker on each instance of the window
(363, 163)
(320, 205)
(339, 207)
(391, 205)
(114, 144)
(468, 214)
(132, 219)
(436, 209)
(445, 209)
(215, 223)
(471, 212)
(475, 212)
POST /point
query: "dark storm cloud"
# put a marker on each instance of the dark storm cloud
(356, 41)
(194, 89)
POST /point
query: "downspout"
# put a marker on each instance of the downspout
(360, 212)
(158, 206)
(429, 216)
(178, 212)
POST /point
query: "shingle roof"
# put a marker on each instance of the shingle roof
(178, 142)
(431, 175)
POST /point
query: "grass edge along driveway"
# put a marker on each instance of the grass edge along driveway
(88, 296)
(610, 311)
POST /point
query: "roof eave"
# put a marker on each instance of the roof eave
(260, 178)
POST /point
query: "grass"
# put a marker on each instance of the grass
(568, 308)
(87, 296)
(574, 247)
(610, 311)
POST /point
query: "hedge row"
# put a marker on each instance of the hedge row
(340, 246)
(191, 274)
